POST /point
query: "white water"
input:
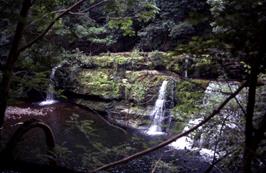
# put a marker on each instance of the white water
(186, 142)
(50, 97)
(215, 93)
(158, 112)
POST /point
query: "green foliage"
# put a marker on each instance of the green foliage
(198, 46)
(99, 25)
(241, 27)
(23, 83)
(176, 22)
(124, 24)
(33, 70)
(151, 10)
(181, 29)
(93, 33)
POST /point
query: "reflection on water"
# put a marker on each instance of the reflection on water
(83, 138)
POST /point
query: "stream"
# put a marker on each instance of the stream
(85, 140)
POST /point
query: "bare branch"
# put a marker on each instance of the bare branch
(237, 101)
(217, 161)
(155, 166)
(174, 138)
(214, 161)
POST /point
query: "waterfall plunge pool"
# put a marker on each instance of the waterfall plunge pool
(85, 141)
(50, 93)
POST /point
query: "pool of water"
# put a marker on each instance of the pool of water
(84, 139)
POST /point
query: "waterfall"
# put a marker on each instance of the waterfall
(158, 112)
(215, 93)
(50, 97)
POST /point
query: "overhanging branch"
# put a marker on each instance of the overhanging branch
(174, 138)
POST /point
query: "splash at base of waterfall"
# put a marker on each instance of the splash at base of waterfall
(186, 143)
(214, 94)
(155, 130)
(47, 102)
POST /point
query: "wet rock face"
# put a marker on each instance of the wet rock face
(123, 85)
(170, 95)
(119, 77)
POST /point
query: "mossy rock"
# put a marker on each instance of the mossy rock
(98, 82)
(204, 68)
(116, 61)
(127, 60)
(174, 63)
(189, 95)
(133, 116)
(142, 86)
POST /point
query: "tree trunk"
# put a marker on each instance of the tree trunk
(12, 58)
(250, 145)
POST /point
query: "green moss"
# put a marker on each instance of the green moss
(140, 83)
(103, 61)
(189, 95)
(107, 61)
(99, 82)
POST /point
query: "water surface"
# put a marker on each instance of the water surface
(84, 140)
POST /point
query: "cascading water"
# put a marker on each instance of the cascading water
(50, 97)
(214, 94)
(158, 112)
